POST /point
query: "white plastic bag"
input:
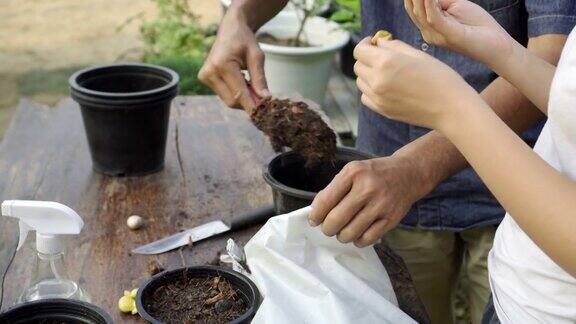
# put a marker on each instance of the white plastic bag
(307, 277)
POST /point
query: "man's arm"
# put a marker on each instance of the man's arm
(438, 159)
(235, 49)
(368, 198)
(255, 12)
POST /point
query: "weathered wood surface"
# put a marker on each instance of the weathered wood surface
(213, 170)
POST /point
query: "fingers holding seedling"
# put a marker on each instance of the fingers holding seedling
(381, 34)
(367, 53)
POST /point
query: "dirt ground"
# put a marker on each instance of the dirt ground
(43, 42)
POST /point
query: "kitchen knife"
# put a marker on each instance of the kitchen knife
(205, 231)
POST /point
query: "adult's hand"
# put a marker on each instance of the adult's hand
(408, 85)
(462, 26)
(234, 50)
(367, 198)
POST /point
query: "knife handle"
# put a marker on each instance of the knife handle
(253, 217)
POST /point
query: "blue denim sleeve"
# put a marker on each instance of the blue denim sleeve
(550, 16)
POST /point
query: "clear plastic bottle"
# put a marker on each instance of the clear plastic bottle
(50, 280)
(50, 220)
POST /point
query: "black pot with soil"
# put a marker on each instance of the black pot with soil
(204, 294)
(294, 186)
(55, 311)
(347, 59)
(125, 109)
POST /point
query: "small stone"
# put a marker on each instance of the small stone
(223, 306)
(135, 222)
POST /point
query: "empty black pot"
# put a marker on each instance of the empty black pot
(294, 186)
(125, 108)
(55, 311)
(248, 290)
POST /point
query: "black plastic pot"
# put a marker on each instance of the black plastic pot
(246, 287)
(125, 108)
(55, 311)
(294, 186)
(347, 59)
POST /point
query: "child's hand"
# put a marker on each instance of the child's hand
(405, 84)
(462, 26)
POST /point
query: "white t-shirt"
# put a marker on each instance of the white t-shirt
(527, 286)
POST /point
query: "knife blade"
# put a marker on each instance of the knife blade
(205, 231)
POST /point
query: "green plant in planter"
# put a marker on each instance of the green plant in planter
(305, 11)
(176, 31)
(176, 39)
(347, 15)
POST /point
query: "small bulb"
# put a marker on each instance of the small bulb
(133, 293)
(126, 304)
(135, 222)
(381, 34)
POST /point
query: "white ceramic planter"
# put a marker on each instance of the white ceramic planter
(302, 70)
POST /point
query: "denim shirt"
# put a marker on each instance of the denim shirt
(462, 201)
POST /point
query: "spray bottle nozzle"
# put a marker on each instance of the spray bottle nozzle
(48, 219)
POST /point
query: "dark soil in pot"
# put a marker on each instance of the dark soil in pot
(295, 125)
(294, 186)
(59, 311)
(125, 109)
(203, 294)
(267, 38)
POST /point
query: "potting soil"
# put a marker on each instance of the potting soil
(295, 125)
(196, 300)
(267, 38)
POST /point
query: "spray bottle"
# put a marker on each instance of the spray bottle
(49, 220)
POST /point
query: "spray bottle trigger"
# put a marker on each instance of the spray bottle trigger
(24, 229)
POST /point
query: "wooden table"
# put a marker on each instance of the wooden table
(213, 170)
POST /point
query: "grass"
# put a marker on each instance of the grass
(46, 83)
(187, 69)
(43, 86)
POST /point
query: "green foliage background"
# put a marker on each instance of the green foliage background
(176, 39)
(347, 14)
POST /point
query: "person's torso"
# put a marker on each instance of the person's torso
(528, 286)
(462, 201)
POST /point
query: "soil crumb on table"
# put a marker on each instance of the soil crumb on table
(295, 125)
(197, 300)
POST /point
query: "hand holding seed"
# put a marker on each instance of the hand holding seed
(395, 81)
(381, 34)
